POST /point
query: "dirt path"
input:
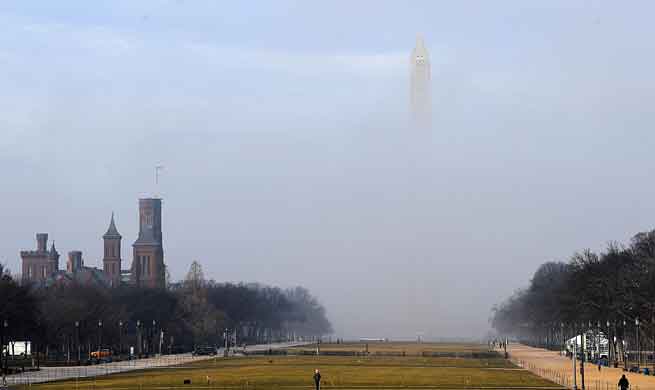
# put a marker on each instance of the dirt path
(550, 365)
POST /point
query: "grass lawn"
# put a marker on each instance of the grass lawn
(339, 372)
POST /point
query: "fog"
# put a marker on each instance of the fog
(283, 130)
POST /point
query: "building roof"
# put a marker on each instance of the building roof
(112, 232)
(86, 276)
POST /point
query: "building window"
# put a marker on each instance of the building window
(43, 272)
(29, 272)
(144, 268)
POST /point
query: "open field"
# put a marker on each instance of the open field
(339, 372)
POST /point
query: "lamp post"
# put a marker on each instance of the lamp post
(5, 326)
(226, 334)
(120, 337)
(652, 321)
(99, 335)
(637, 341)
(598, 338)
(77, 341)
(609, 354)
(152, 338)
(625, 353)
(138, 338)
(562, 338)
(582, 357)
(575, 357)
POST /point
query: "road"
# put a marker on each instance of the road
(48, 374)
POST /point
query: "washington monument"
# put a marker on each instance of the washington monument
(420, 103)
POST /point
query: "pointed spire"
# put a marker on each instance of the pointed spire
(53, 251)
(112, 232)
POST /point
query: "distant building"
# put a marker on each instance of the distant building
(112, 260)
(420, 93)
(148, 267)
(41, 266)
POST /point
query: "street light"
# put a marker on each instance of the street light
(583, 348)
(598, 338)
(77, 341)
(561, 333)
(138, 337)
(99, 335)
(625, 353)
(5, 326)
(575, 356)
(120, 337)
(608, 341)
(638, 346)
(152, 337)
(226, 334)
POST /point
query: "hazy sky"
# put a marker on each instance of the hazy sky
(282, 127)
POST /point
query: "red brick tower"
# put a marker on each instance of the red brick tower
(148, 267)
(112, 260)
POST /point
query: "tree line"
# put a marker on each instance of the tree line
(68, 322)
(610, 293)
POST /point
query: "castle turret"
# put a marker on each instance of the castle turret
(112, 259)
(39, 264)
(41, 242)
(75, 262)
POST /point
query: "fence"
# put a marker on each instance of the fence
(48, 374)
(307, 352)
(83, 373)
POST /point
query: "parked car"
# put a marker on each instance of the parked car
(204, 351)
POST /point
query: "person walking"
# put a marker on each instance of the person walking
(317, 379)
(623, 383)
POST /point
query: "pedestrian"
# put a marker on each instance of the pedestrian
(623, 383)
(317, 379)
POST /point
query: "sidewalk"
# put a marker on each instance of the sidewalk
(551, 365)
(48, 374)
